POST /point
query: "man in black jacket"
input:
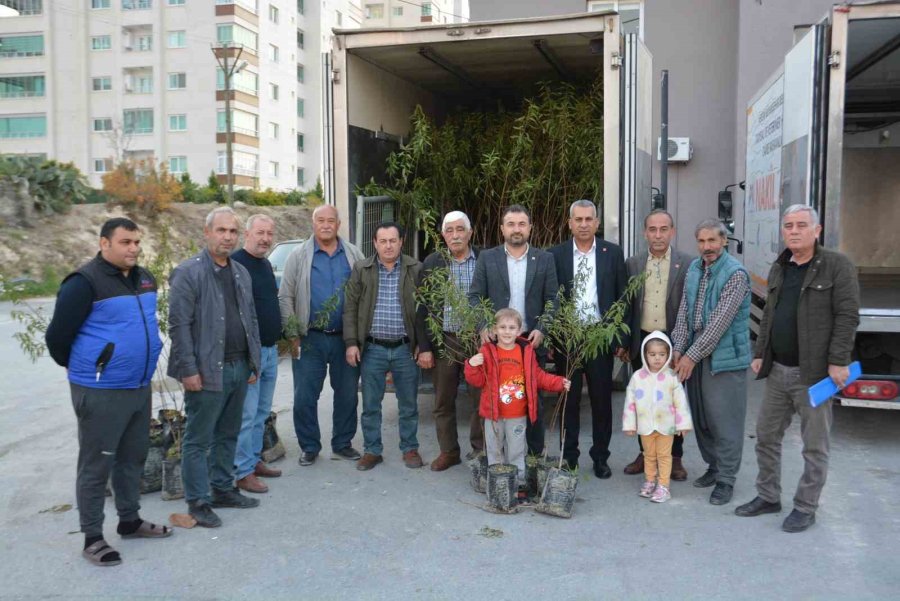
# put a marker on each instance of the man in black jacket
(600, 265)
(104, 332)
(807, 333)
(456, 230)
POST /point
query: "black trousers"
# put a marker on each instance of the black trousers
(678, 445)
(598, 372)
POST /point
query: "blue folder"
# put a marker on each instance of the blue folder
(825, 389)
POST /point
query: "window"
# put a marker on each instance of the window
(144, 43)
(103, 165)
(178, 122)
(300, 107)
(301, 73)
(273, 130)
(300, 41)
(273, 91)
(339, 17)
(178, 164)
(21, 86)
(397, 11)
(177, 39)
(273, 53)
(137, 4)
(25, 126)
(426, 9)
(238, 35)
(101, 84)
(104, 124)
(101, 42)
(138, 121)
(242, 81)
(273, 13)
(629, 13)
(374, 11)
(175, 2)
(21, 45)
(300, 143)
(243, 163)
(140, 84)
(242, 122)
(177, 81)
(273, 169)
(301, 177)
(98, 4)
(300, 7)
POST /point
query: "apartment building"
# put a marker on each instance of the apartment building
(98, 81)
(412, 13)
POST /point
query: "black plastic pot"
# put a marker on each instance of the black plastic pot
(272, 447)
(172, 486)
(544, 465)
(558, 497)
(479, 467)
(501, 486)
(151, 479)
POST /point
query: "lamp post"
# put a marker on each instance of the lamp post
(229, 70)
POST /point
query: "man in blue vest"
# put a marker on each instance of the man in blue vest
(712, 334)
(104, 332)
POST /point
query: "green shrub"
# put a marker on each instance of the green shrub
(267, 198)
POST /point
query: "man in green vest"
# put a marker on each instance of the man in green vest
(712, 352)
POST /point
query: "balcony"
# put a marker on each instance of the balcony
(248, 54)
(237, 137)
(245, 9)
(137, 4)
(23, 8)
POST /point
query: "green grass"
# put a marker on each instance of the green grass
(48, 285)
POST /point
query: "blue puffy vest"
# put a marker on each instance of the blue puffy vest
(733, 352)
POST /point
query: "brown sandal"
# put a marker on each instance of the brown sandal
(97, 551)
(148, 530)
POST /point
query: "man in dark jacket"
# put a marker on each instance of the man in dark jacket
(104, 332)
(456, 230)
(215, 354)
(598, 267)
(807, 332)
(655, 306)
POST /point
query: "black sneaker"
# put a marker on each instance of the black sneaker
(232, 498)
(348, 453)
(706, 480)
(307, 458)
(798, 521)
(203, 513)
(721, 494)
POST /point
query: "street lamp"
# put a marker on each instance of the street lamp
(229, 70)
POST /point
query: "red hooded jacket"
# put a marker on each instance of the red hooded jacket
(486, 376)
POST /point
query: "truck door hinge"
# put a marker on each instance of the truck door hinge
(615, 60)
(834, 59)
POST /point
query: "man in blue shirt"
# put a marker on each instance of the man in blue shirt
(312, 302)
(248, 465)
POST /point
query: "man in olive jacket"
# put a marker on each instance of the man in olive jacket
(380, 335)
(806, 334)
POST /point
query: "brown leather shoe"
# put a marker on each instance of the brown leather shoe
(444, 461)
(251, 483)
(265, 471)
(368, 461)
(678, 471)
(412, 459)
(636, 466)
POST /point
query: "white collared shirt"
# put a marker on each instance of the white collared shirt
(518, 271)
(586, 263)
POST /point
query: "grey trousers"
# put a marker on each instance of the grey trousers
(113, 436)
(505, 442)
(719, 407)
(786, 394)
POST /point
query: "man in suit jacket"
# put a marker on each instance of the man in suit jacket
(521, 277)
(655, 307)
(603, 266)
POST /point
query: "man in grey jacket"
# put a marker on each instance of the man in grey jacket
(807, 333)
(215, 353)
(312, 306)
(655, 306)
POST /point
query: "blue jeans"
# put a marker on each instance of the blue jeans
(257, 405)
(320, 352)
(210, 434)
(376, 362)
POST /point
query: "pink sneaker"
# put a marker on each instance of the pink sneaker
(661, 494)
(647, 489)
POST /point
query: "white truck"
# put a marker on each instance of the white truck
(825, 131)
(378, 76)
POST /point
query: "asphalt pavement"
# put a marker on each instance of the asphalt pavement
(331, 532)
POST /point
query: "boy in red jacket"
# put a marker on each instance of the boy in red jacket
(509, 377)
